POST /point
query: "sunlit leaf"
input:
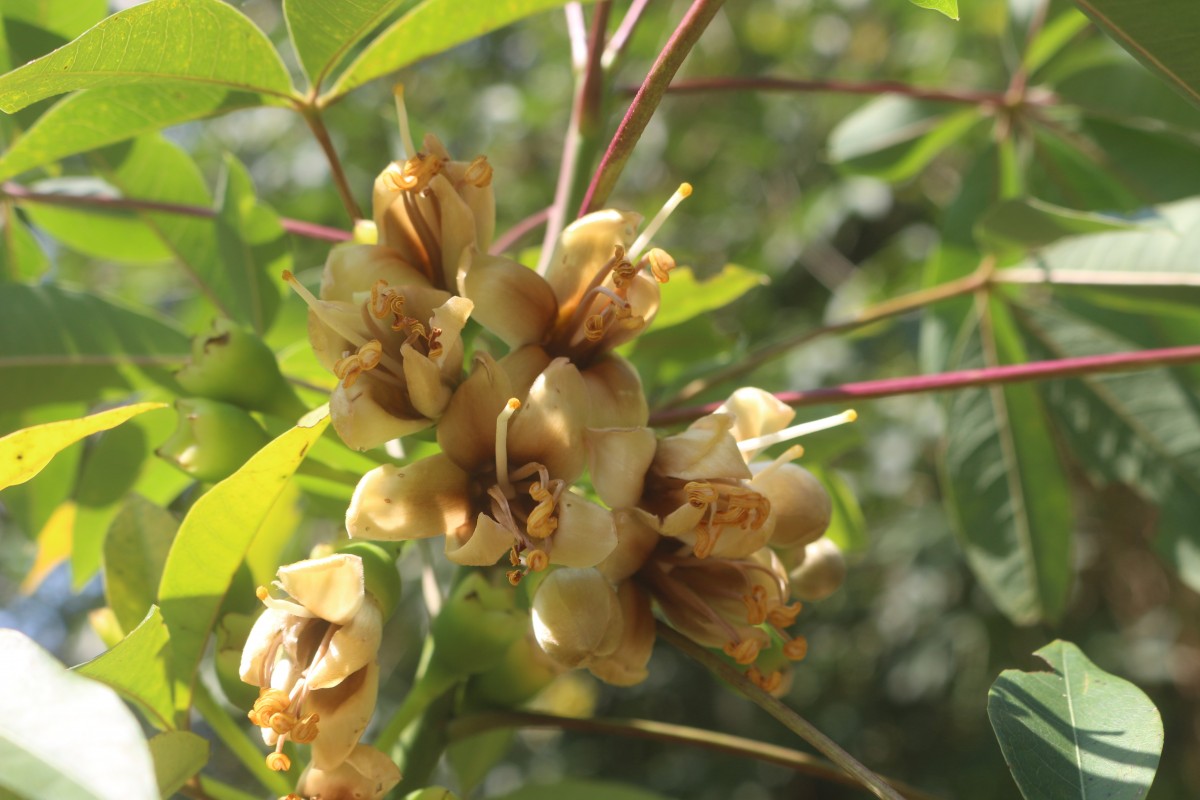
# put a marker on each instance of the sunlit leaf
(58, 345)
(684, 297)
(53, 545)
(214, 539)
(201, 41)
(1052, 38)
(1006, 494)
(138, 667)
(1155, 33)
(1077, 731)
(324, 31)
(113, 235)
(432, 27)
(1028, 224)
(894, 138)
(947, 7)
(65, 18)
(178, 755)
(135, 551)
(21, 257)
(107, 114)
(47, 755)
(24, 453)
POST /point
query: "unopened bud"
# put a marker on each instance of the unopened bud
(379, 573)
(235, 366)
(801, 506)
(212, 440)
(821, 572)
(523, 672)
(577, 616)
(476, 626)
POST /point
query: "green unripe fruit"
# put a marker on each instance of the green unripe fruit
(212, 440)
(476, 626)
(379, 573)
(234, 366)
(523, 672)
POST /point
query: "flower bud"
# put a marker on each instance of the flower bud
(801, 506)
(626, 665)
(366, 774)
(820, 573)
(235, 366)
(577, 617)
(476, 626)
(212, 440)
(379, 572)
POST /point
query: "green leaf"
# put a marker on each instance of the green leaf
(199, 41)
(135, 551)
(52, 756)
(21, 257)
(1076, 732)
(684, 297)
(581, 790)
(213, 541)
(324, 31)
(137, 668)
(848, 526)
(947, 7)
(1161, 35)
(432, 27)
(252, 244)
(64, 18)
(894, 138)
(107, 114)
(178, 755)
(1006, 494)
(113, 235)
(1029, 224)
(24, 453)
(1052, 38)
(151, 168)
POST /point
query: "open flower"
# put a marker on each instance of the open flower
(366, 774)
(313, 657)
(393, 340)
(501, 483)
(599, 292)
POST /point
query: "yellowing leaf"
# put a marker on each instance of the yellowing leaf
(25, 453)
(53, 545)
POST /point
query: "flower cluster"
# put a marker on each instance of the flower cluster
(689, 522)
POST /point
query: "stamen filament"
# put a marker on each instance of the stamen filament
(786, 457)
(410, 149)
(684, 190)
(317, 306)
(804, 428)
(502, 419)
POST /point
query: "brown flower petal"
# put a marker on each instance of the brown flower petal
(427, 498)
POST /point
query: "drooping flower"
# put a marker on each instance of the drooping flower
(502, 481)
(313, 657)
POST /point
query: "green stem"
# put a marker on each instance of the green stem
(793, 721)
(430, 685)
(312, 115)
(466, 727)
(424, 744)
(234, 738)
(697, 18)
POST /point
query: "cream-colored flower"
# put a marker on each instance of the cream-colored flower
(366, 774)
(313, 657)
(821, 571)
(392, 339)
(501, 483)
(576, 617)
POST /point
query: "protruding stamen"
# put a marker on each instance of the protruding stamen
(786, 457)
(796, 649)
(270, 702)
(415, 174)
(478, 172)
(502, 419)
(319, 308)
(700, 494)
(743, 652)
(804, 428)
(768, 683)
(541, 522)
(537, 560)
(279, 762)
(306, 729)
(406, 139)
(349, 368)
(684, 190)
(514, 576)
(756, 605)
(783, 616)
(661, 263)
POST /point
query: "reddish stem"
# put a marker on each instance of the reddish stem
(511, 236)
(915, 384)
(298, 227)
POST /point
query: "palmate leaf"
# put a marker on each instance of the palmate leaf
(432, 27)
(1075, 732)
(1161, 35)
(1005, 491)
(51, 755)
(206, 42)
(214, 539)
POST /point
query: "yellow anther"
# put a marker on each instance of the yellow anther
(743, 652)
(385, 301)
(434, 343)
(537, 560)
(306, 729)
(796, 649)
(514, 576)
(479, 172)
(269, 702)
(756, 605)
(279, 762)
(623, 273)
(541, 522)
(783, 616)
(661, 264)
(281, 722)
(700, 494)
(768, 683)
(348, 369)
(261, 593)
(416, 173)
(593, 328)
(514, 557)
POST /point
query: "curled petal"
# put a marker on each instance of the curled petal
(260, 643)
(706, 450)
(363, 421)
(480, 545)
(511, 300)
(586, 245)
(344, 713)
(450, 318)
(617, 460)
(351, 648)
(756, 413)
(549, 427)
(426, 390)
(637, 536)
(586, 534)
(332, 588)
(626, 666)
(366, 774)
(427, 498)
